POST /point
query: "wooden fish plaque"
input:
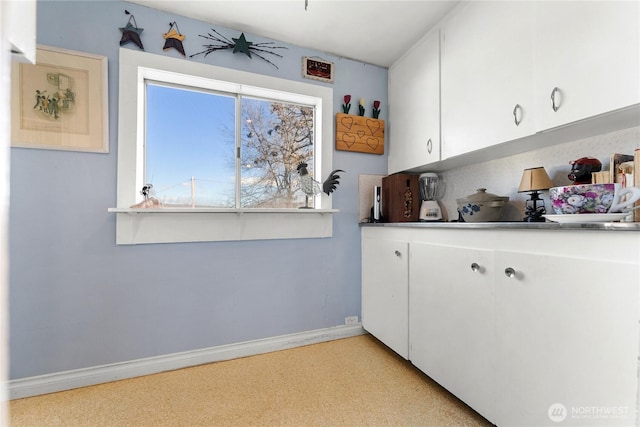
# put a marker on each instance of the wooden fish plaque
(360, 134)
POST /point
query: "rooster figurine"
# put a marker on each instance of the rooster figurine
(311, 187)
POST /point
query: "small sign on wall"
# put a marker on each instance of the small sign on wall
(317, 69)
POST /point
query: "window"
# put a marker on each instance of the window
(221, 149)
(189, 146)
(276, 138)
(194, 156)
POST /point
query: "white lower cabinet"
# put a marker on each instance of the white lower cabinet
(528, 327)
(385, 292)
(451, 331)
(567, 337)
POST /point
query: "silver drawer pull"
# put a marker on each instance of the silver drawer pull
(475, 266)
(398, 253)
(429, 146)
(515, 114)
(553, 99)
(509, 272)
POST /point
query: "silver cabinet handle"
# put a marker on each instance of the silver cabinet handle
(553, 99)
(475, 266)
(515, 114)
(509, 272)
(429, 146)
(398, 253)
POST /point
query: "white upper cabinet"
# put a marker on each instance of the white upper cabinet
(414, 106)
(487, 75)
(19, 17)
(510, 72)
(590, 52)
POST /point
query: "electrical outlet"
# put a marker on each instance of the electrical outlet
(351, 320)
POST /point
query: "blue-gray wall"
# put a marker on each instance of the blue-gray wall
(78, 300)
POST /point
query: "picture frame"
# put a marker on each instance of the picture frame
(317, 69)
(615, 161)
(60, 102)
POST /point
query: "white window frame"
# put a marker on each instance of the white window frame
(137, 226)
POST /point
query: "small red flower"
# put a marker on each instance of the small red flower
(347, 104)
(376, 109)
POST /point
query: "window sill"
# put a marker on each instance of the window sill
(179, 225)
(134, 211)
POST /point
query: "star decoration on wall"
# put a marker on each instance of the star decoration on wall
(242, 45)
(239, 44)
(131, 32)
(173, 38)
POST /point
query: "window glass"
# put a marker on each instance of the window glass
(190, 148)
(276, 137)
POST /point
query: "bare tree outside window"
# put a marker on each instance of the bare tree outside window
(276, 137)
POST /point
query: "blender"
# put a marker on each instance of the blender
(430, 191)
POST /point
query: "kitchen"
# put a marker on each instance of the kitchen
(495, 312)
(95, 298)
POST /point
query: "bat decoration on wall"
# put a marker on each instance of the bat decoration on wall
(131, 32)
(240, 44)
(173, 38)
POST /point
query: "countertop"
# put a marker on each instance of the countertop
(603, 226)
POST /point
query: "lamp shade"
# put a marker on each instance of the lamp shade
(535, 179)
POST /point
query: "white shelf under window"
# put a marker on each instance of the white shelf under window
(134, 211)
(136, 226)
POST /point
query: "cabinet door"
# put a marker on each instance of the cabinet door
(414, 107)
(451, 320)
(20, 19)
(567, 334)
(487, 73)
(385, 288)
(590, 51)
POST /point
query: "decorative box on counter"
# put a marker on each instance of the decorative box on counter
(400, 198)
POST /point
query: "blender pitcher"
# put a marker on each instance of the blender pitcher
(430, 191)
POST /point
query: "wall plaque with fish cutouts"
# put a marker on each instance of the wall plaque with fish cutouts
(359, 133)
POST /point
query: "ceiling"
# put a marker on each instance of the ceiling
(373, 31)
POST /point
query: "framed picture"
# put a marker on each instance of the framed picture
(60, 103)
(317, 69)
(618, 159)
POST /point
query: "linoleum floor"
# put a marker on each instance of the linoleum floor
(348, 382)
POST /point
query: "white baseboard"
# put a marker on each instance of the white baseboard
(60, 381)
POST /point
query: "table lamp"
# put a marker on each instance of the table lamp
(535, 180)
